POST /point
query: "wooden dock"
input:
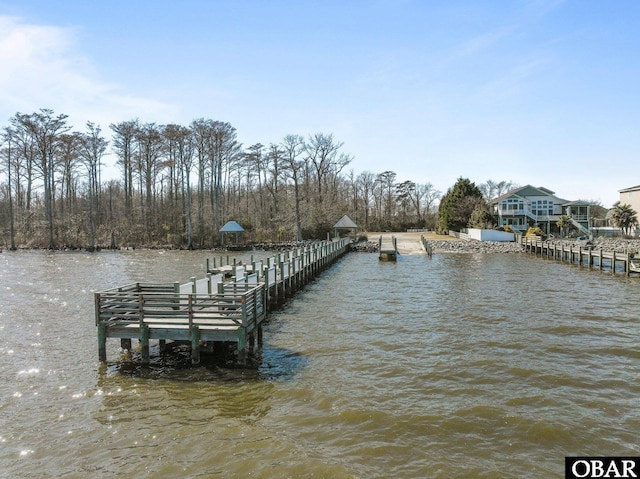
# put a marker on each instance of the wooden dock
(427, 246)
(611, 261)
(229, 305)
(387, 248)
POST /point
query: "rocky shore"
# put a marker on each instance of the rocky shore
(365, 247)
(443, 246)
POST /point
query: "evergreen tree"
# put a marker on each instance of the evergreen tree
(457, 205)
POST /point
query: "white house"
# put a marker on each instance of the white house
(530, 206)
(631, 196)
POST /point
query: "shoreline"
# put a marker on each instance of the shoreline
(449, 244)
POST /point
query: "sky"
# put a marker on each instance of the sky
(540, 92)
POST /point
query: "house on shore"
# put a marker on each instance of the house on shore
(528, 206)
(631, 196)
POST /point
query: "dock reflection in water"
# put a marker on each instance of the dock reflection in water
(459, 366)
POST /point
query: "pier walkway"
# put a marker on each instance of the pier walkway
(387, 248)
(228, 305)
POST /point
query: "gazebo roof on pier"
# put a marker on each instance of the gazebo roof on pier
(231, 227)
(345, 222)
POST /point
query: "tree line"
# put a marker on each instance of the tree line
(177, 185)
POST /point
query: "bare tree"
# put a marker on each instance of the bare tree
(322, 150)
(223, 150)
(7, 137)
(293, 146)
(275, 159)
(366, 181)
(404, 194)
(429, 196)
(386, 180)
(257, 163)
(124, 145)
(201, 130)
(45, 129)
(92, 148)
(68, 152)
(493, 189)
(179, 139)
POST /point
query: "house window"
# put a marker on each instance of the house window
(511, 205)
(542, 207)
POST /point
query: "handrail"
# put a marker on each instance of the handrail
(242, 304)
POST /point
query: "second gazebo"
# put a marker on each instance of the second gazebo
(345, 223)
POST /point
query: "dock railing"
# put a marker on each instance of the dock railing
(160, 311)
(152, 304)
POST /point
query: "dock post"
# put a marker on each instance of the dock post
(260, 336)
(242, 346)
(102, 342)
(195, 344)
(613, 262)
(144, 343)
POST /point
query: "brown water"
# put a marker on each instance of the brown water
(472, 366)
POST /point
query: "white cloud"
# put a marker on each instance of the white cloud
(485, 41)
(44, 67)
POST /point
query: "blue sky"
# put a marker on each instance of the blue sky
(541, 92)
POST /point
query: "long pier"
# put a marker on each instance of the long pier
(613, 261)
(229, 305)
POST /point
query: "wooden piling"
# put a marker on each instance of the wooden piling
(194, 332)
(102, 342)
(144, 343)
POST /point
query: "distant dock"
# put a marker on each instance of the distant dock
(612, 261)
(388, 249)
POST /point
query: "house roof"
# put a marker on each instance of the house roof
(630, 189)
(231, 227)
(345, 222)
(525, 191)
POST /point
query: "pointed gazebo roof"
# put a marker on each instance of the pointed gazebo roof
(345, 222)
(231, 227)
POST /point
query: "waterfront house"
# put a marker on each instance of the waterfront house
(528, 206)
(631, 196)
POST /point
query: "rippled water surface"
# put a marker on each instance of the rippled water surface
(457, 366)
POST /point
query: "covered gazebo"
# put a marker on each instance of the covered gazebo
(231, 227)
(345, 223)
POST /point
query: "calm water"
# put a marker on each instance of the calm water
(471, 366)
